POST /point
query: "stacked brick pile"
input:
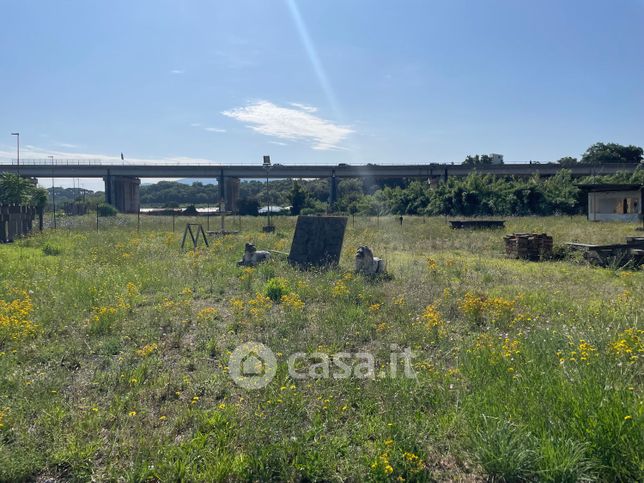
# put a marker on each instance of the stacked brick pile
(529, 246)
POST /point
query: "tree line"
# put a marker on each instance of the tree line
(477, 194)
(474, 195)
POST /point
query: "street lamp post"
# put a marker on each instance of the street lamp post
(267, 166)
(17, 134)
(53, 189)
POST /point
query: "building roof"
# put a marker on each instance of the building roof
(610, 187)
(274, 209)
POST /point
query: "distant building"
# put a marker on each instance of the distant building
(614, 202)
(496, 158)
(274, 210)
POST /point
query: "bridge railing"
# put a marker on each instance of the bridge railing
(101, 162)
(179, 162)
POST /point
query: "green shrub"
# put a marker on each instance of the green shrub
(51, 249)
(504, 450)
(191, 211)
(105, 209)
(275, 288)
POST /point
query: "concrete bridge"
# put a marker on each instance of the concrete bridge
(122, 180)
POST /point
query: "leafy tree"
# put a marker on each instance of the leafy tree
(568, 161)
(298, 198)
(600, 153)
(373, 205)
(15, 190)
(39, 198)
(635, 177)
(171, 191)
(561, 194)
(411, 200)
(478, 160)
(248, 206)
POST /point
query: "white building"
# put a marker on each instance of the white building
(496, 158)
(614, 202)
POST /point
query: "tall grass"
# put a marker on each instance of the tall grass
(524, 371)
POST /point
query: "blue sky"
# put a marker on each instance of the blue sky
(312, 81)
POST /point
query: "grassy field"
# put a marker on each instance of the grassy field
(114, 351)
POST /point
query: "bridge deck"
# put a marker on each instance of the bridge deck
(96, 169)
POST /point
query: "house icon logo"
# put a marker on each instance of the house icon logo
(252, 365)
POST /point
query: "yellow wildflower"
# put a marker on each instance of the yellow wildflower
(630, 344)
(259, 305)
(237, 305)
(382, 465)
(510, 348)
(375, 307)
(132, 289)
(340, 289)
(207, 314)
(146, 350)
(292, 301)
(432, 318)
(15, 323)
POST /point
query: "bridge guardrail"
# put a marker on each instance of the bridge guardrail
(100, 162)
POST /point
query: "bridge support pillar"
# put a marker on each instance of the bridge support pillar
(434, 181)
(122, 192)
(333, 191)
(229, 192)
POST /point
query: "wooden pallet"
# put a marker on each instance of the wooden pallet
(629, 254)
(528, 246)
(477, 224)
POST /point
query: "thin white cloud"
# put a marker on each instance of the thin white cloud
(304, 107)
(195, 124)
(36, 153)
(300, 124)
(177, 71)
(67, 145)
(31, 153)
(214, 129)
(278, 143)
